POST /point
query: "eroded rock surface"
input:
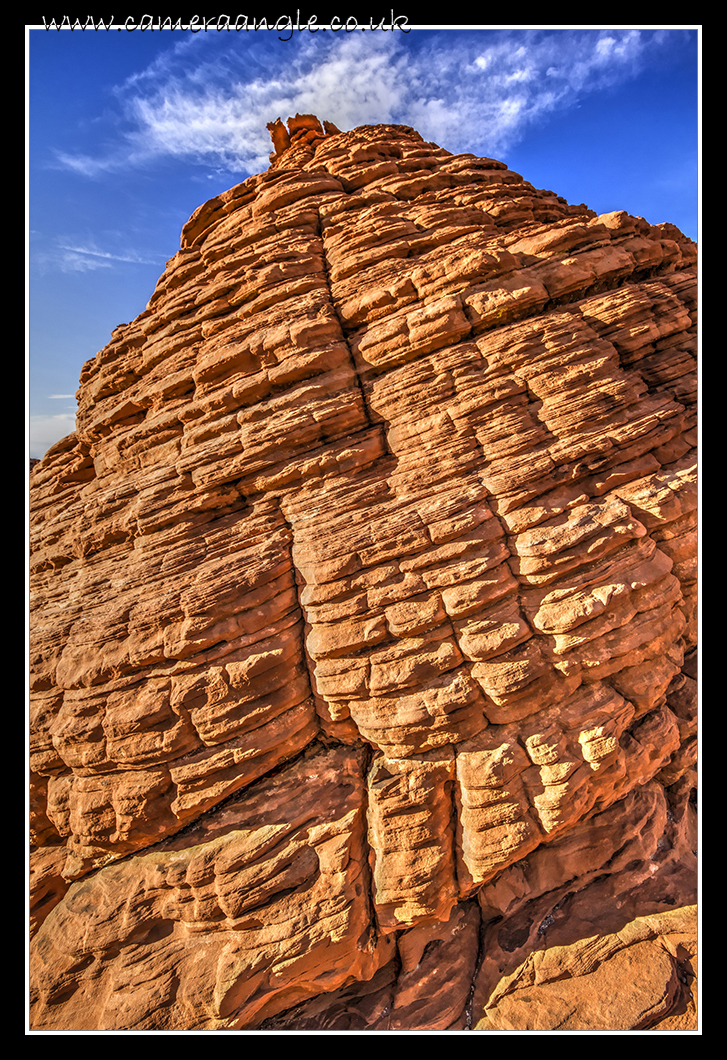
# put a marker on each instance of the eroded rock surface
(364, 616)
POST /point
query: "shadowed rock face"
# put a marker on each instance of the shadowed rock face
(364, 616)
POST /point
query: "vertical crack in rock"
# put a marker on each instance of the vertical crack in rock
(327, 270)
(309, 667)
(364, 616)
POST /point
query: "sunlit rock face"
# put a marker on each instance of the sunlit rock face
(364, 616)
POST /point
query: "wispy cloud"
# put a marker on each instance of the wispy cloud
(208, 101)
(71, 257)
(44, 431)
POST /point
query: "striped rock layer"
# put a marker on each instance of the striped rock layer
(364, 616)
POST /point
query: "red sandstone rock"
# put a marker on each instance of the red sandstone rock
(595, 938)
(363, 597)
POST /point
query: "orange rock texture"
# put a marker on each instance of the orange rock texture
(364, 616)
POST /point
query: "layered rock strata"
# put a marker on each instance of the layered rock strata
(364, 616)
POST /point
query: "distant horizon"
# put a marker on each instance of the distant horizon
(129, 134)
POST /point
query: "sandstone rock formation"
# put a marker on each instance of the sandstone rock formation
(364, 616)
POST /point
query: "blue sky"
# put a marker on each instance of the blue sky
(128, 132)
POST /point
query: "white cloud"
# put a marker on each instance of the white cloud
(86, 165)
(209, 102)
(69, 257)
(45, 431)
(72, 261)
(94, 252)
